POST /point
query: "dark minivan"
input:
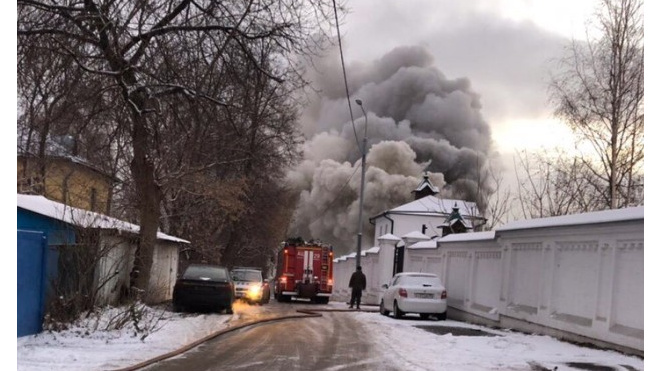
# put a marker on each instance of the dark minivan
(204, 286)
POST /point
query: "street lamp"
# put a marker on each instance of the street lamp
(364, 155)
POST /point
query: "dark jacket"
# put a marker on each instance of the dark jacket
(358, 281)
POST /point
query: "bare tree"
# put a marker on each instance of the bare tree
(151, 55)
(599, 93)
(256, 209)
(498, 208)
(552, 183)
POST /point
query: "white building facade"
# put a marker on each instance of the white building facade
(427, 215)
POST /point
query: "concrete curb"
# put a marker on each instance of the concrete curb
(305, 313)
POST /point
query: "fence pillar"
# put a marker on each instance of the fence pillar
(386, 258)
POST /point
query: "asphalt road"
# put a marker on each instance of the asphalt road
(334, 341)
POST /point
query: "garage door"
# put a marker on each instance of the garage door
(31, 266)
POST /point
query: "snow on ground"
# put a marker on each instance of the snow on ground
(408, 347)
(82, 348)
(418, 349)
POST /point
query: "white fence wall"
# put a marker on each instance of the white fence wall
(472, 273)
(345, 266)
(341, 273)
(376, 264)
(581, 282)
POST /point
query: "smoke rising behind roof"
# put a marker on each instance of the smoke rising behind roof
(418, 120)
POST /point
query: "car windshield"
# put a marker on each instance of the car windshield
(214, 273)
(420, 280)
(251, 276)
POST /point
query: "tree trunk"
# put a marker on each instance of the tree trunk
(149, 197)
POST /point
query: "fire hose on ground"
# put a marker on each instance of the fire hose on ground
(303, 313)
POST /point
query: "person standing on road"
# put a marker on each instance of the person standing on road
(357, 283)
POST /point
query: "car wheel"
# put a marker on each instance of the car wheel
(397, 312)
(424, 316)
(383, 311)
(177, 308)
(442, 316)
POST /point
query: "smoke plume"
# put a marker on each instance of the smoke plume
(417, 119)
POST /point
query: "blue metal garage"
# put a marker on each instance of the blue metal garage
(36, 264)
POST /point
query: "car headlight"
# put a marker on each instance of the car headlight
(254, 291)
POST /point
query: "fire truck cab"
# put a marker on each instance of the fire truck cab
(304, 270)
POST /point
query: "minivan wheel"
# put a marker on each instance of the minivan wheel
(397, 312)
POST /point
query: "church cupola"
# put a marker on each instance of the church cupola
(455, 223)
(425, 188)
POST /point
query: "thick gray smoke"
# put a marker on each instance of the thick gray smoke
(417, 119)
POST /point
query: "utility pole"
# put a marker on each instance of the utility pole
(364, 155)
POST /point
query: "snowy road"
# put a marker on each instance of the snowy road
(338, 341)
(333, 341)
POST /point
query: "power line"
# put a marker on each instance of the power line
(362, 150)
(343, 68)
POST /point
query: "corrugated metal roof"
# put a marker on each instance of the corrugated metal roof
(79, 217)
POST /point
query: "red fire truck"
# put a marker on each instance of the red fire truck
(304, 270)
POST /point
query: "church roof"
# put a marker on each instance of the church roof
(426, 183)
(433, 205)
